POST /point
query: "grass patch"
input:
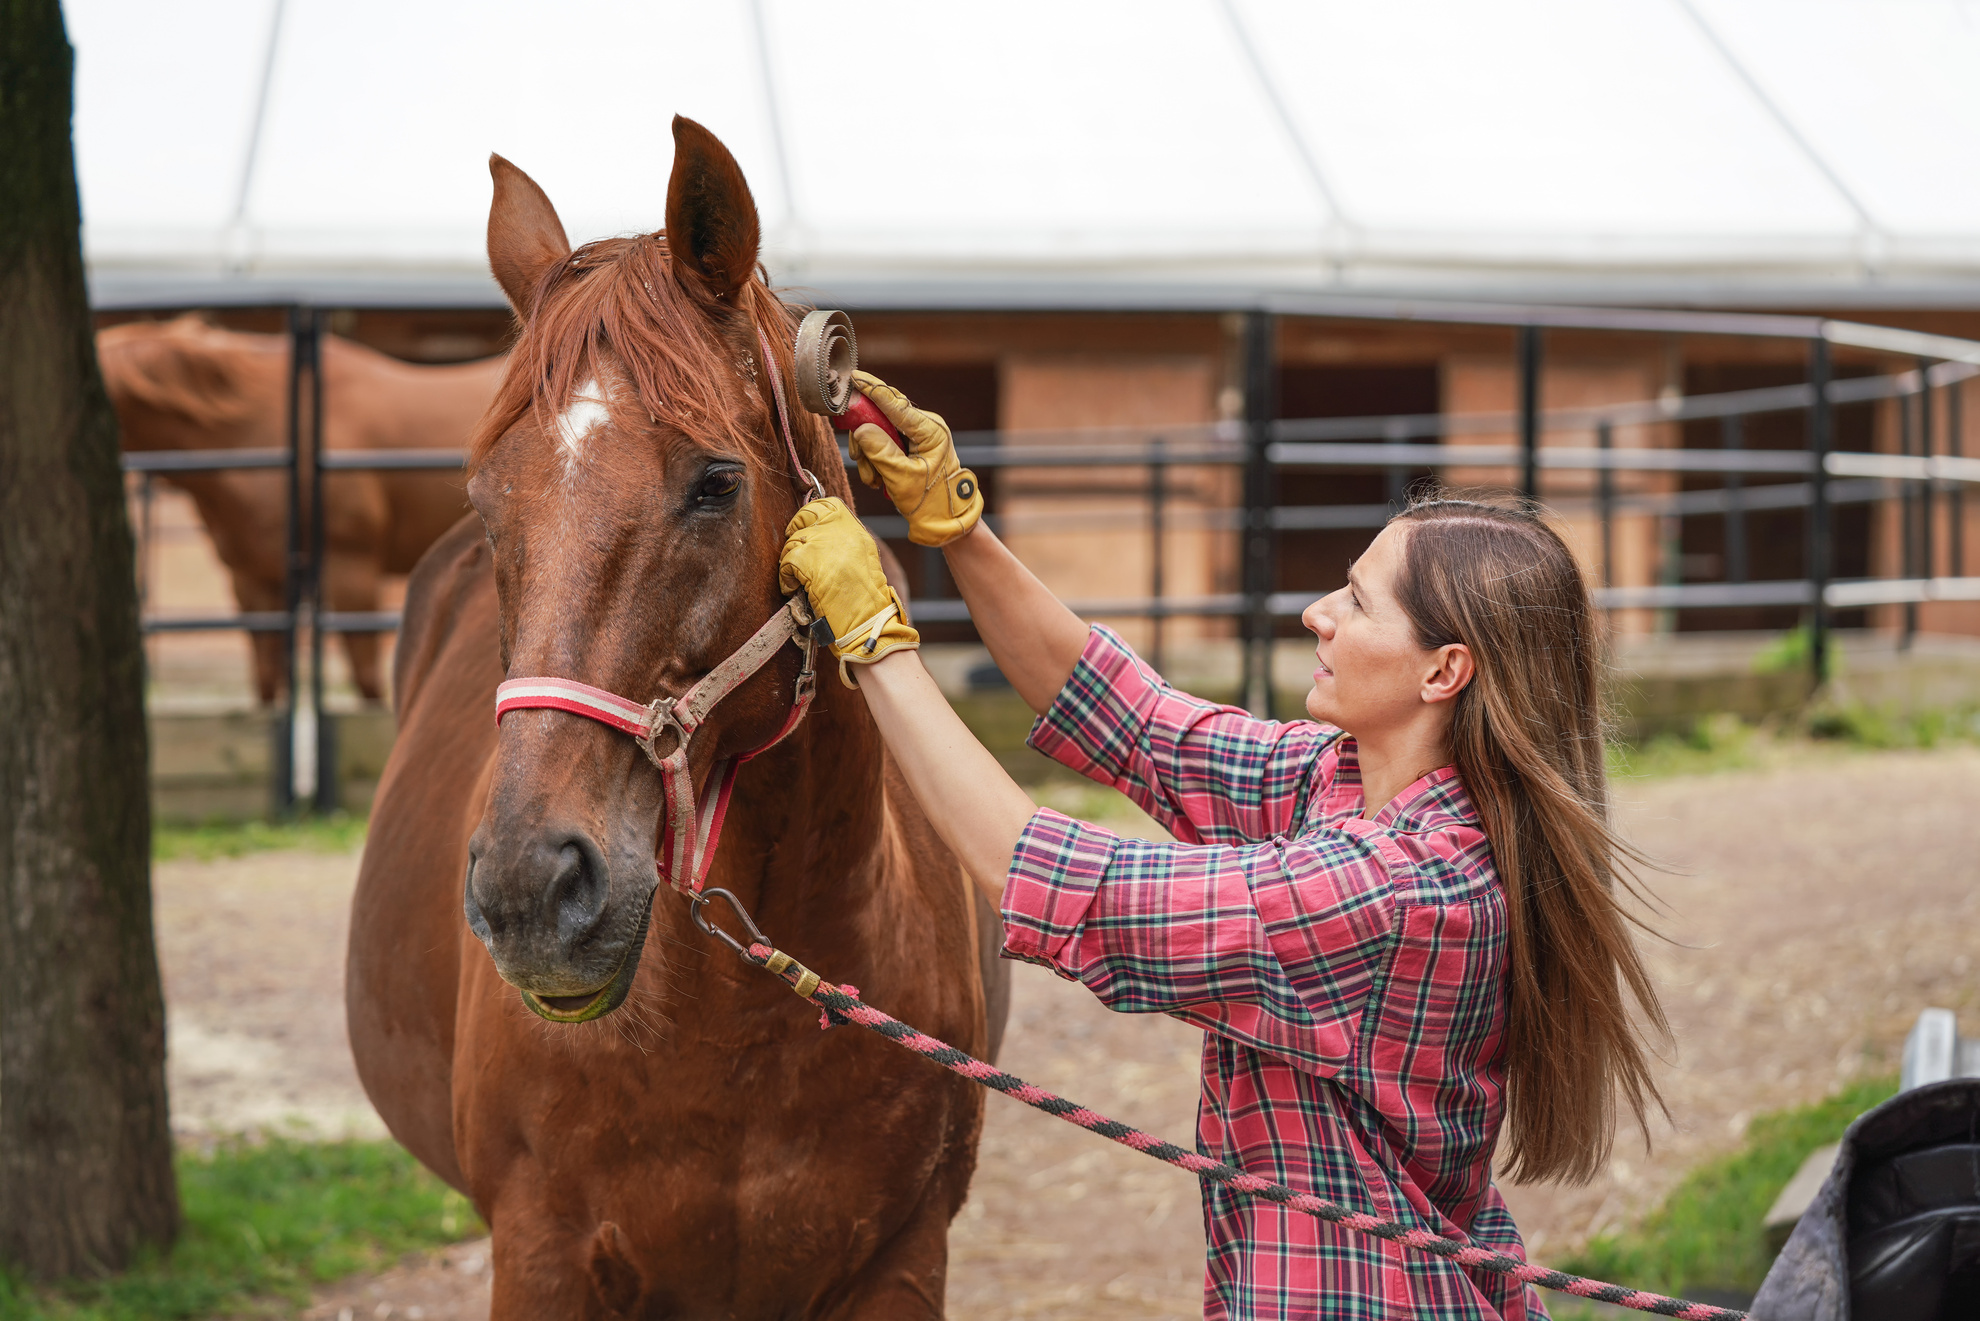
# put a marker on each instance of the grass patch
(340, 832)
(1792, 650)
(1724, 742)
(1713, 743)
(264, 1223)
(1867, 727)
(1706, 1236)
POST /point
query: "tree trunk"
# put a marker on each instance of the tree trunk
(85, 1150)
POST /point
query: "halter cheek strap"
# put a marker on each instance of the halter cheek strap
(803, 474)
(693, 826)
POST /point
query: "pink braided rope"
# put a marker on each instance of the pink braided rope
(841, 1004)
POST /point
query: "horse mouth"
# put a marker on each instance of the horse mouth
(592, 1004)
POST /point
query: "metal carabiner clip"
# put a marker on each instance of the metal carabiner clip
(697, 905)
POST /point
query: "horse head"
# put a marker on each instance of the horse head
(634, 489)
(180, 384)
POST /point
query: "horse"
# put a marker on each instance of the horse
(184, 384)
(649, 1125)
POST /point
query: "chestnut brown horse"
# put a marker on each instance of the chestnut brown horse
(184, 384)
(702, 1149)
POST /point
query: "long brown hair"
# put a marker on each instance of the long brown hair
(1527, 739)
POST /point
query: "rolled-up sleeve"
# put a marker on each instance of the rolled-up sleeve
(1209, 774)
(1276, 944)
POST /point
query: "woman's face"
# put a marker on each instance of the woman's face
(1372, 678)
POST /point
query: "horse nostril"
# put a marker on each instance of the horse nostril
(578, 890)
(477, 923)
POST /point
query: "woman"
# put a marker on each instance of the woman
(1395, 924)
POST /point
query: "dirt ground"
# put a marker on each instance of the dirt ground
(1815, 907)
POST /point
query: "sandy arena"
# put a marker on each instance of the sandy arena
(1817, 907)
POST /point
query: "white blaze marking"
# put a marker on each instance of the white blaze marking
(585, 414)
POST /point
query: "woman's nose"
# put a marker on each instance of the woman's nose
(1318, 622)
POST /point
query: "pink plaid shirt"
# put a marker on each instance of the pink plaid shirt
(1348, 975)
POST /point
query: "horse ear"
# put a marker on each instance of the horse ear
(525, 238)
(712, 229)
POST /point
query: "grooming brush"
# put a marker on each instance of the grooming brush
(826, 357)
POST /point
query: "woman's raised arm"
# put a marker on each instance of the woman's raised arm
(1035, 640)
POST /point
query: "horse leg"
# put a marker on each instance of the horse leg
(268, 651)
(536, 1275)
(909, 1276)
(352, 581)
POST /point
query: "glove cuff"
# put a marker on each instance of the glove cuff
(886, 631)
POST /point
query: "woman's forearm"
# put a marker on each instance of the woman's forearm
(1033, 638)
(974, 804)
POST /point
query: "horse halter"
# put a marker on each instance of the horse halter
(694, 827)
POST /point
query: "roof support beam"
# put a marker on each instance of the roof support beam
(1870, 235)
(1341, 228)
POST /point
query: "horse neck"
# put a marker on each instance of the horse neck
(808, 821)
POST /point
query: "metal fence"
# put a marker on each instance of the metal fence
(1927, 479)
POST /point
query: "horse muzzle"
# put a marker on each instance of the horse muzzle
(558, 927)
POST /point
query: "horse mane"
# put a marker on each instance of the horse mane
(679, 345)
(179, 368)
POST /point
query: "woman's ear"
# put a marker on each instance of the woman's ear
(1455, 669)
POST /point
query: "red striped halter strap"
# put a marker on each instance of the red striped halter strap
(666, 725)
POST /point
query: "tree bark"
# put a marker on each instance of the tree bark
(85, 1149)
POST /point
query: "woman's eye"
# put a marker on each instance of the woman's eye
(719, 485)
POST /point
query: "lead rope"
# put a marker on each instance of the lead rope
(841, 1004)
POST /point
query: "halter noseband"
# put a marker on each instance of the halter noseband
(694, 828)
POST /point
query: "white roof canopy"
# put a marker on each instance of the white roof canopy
(1742, 150)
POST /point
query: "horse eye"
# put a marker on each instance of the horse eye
(719, 485)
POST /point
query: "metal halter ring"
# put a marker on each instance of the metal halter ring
(699, 902)
(660, 718)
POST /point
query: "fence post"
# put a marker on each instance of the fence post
(1529, 411)
(1956, 498)
(326, 728)
(147, 526)
(1820, 436)
(1732, 436)
(1260, 407)
(282, 752)
(1908, 509)
(1605, 500)
(1929, 489)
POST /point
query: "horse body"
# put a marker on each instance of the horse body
(186, 385)
(703, 1148)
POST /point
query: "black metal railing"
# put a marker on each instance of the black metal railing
(1928, 481)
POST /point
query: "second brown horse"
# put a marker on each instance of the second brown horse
(183, 385)
(703, 1150)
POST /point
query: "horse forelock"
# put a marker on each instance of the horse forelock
(615, 310)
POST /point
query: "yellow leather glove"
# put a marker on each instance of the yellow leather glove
(830, 555)
(940, 498)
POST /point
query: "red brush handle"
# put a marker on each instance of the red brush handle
(860, 412)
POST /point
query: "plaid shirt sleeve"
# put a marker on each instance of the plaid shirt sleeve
(1275, 945)
(1209, 774)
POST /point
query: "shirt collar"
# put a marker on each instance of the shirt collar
(1429, 803)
